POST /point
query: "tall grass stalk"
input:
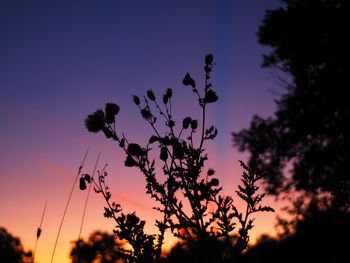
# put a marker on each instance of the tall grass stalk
(68, 201)
(39, 230)
(87, 197)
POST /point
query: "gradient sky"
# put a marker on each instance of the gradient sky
(62, 60)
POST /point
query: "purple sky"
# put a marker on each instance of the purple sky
(62, 60)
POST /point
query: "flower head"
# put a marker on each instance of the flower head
(111, 110)
(210, 96)
(95, 122)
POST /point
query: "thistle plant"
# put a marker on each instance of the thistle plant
(189, 188)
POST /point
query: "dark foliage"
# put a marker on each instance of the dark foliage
(100, 246)
(321, 236)
(310, 129)
(194, 252)
(189, 199)
(11, 250)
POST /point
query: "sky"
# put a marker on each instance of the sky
(62, 60)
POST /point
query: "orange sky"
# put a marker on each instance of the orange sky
(24, 211)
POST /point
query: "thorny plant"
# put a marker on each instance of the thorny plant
(186, 194)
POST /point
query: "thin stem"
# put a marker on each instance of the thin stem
(67, 204)
(39, 230)
(87, 197)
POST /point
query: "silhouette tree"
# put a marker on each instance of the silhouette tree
(322, 236)
(100, 247)
(186, 252)
(189, 199)
(309, 132)
(11, 249)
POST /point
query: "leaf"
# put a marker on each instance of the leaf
(163, 154)
(107, 132)
(129, 162)
(135, 149)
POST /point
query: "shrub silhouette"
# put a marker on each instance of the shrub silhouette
(321, 236)
(11, 249)
(189, 189)
(100, 246)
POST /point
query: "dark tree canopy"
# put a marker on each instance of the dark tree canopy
(309, 132)
(100, 247)
(11, 249)
(310, 242)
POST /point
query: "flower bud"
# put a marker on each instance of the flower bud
(186, 122)
(214, 182)
(165, 99)
(209, 59)
(151, 95)
(169, 93)
(194, 124)
(188, 81)
(136, 99)
(82, 184)
(210, 172)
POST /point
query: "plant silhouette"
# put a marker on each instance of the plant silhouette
(309, 132)
(11, 249)
(190, 199)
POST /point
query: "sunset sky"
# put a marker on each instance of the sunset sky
(62, 60)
